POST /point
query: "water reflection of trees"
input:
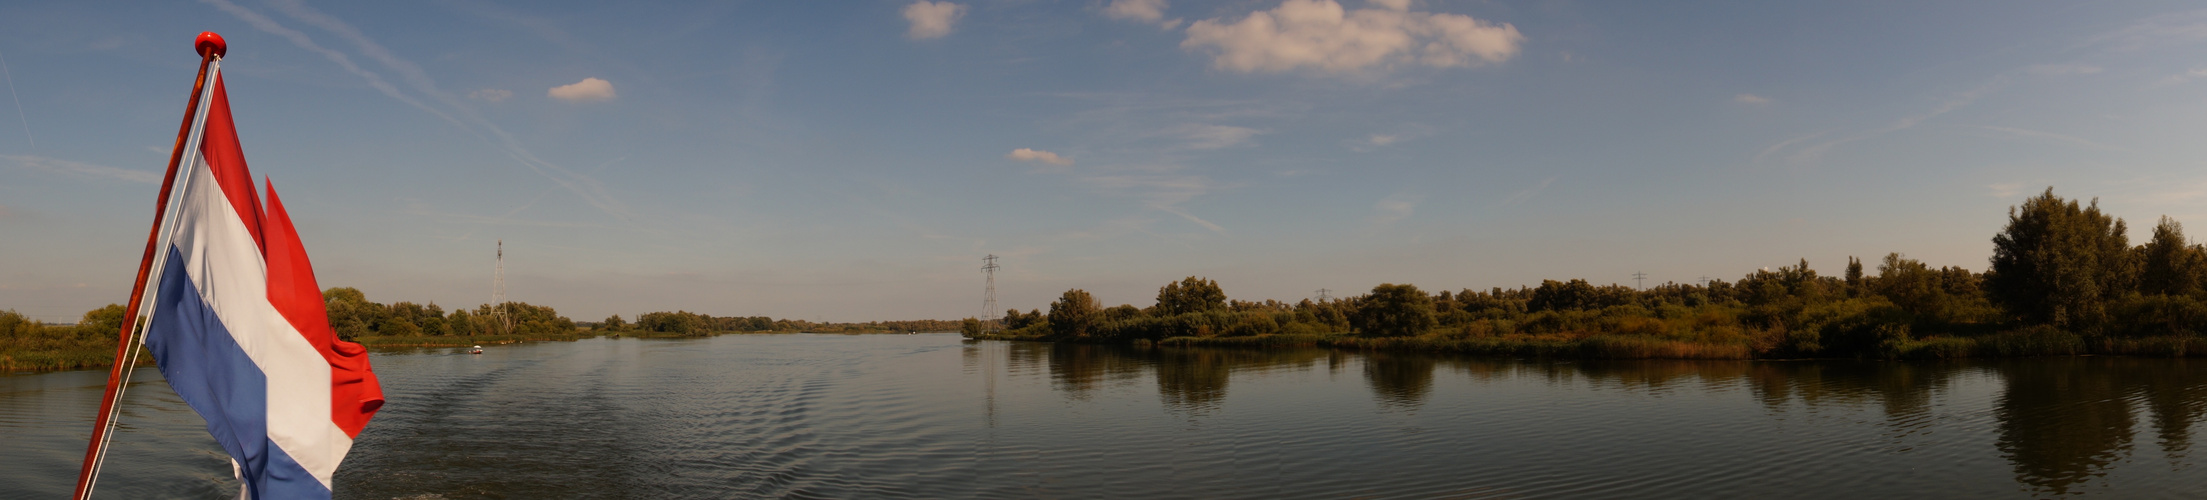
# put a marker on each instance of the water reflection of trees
(1077, 369)
(1400, 381)
(1902, 390)
(2063, 421)
(2059, 422)
(1191, 380)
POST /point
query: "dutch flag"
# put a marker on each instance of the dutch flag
(239, 329)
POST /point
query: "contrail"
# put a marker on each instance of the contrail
(589, 189)
(18, 102)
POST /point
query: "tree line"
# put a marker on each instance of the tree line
(689, 324)
(2063, 279)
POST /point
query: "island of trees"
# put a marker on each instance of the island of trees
(2063, 280)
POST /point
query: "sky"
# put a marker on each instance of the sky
(854, 161)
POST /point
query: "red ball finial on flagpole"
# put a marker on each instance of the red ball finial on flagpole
(210, 44)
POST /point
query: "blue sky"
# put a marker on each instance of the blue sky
(854, 160)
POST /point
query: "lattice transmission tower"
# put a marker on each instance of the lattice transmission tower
(988, 298)
(498, 292)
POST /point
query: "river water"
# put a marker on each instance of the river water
(935, 416)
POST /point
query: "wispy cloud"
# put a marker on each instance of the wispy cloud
(1200, 136)
(1163, 191)
(1394, 208)
(1148, 11)
(2178, 28)
(2005, 189)
(931, 19)
(2181, 78)
(2050, 136)
(492, 95)
(1751, 99)
(1321, 35)
(60, 166)
(452, 109)
(1528, 193)
(1815, 152)
(2062, 69)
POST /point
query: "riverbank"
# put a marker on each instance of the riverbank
(2030, 342)
(468, 340)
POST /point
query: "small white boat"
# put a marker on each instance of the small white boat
(476, 350)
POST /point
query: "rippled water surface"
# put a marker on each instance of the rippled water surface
(934, 416)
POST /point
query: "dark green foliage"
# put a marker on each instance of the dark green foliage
(612, 323)
(2059, 263)
(1394, 311)
(1075, 314)
(683, 323)
(2139, 315)
(1190, 295)
(2169, 264)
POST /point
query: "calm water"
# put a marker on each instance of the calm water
(934, 416)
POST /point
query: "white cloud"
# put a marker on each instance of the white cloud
(80, 168)
(1382, 139)
(1024, 154)
(2006, 189)
(1320, 34)
(494, 95)
(1148, 11)
(1214, 136)
(931, 19)
(1751, 99)
(589, 89)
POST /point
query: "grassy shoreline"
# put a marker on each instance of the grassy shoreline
(2025, 343)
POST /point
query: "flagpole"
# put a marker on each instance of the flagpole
(210, 46)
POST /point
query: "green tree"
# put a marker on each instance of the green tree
(1855, 285)
(1910, 284)
(2059, 263)
(351, 314)
(613, 324)
(1190, 295)
(1393, 311)
(1075, 314)
(2170, 265)
(678, 322)
(1555, 295)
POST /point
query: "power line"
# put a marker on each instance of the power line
(1324, 295)
(1639, 280)
(498, 292)
(988, 298)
